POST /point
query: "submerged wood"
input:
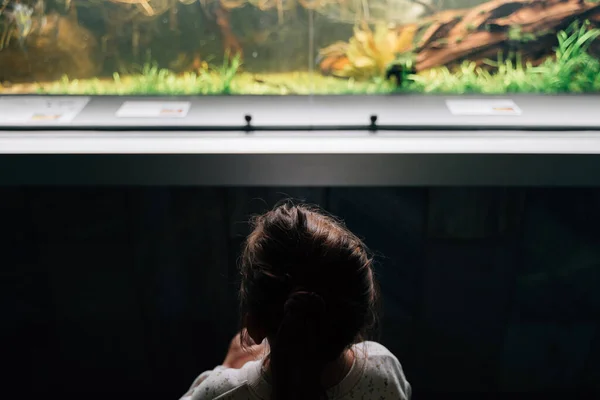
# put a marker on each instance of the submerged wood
(483, 32)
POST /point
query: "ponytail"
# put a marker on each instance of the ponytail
(307, 283)
(297, 354)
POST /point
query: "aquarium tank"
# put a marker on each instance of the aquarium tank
(298, 47)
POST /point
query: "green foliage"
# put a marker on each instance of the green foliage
(572, 70)
(152, 80)
(515, 33)
(212, 83)
(228, 71)
(406, 61)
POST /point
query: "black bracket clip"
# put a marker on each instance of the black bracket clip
(373, 124)
(248, 119)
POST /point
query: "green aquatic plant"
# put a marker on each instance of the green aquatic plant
(404, 66)
(572, 69)
(575, 41)
(228, 71)
(211, 83)
(369, 52)
(515, 33)
(153, 80)
(470, 78)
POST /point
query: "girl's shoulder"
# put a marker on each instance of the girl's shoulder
(375, 348)
(376, 358)
(381, 374)
(371, 351)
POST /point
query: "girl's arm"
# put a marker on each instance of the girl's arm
(236, 358)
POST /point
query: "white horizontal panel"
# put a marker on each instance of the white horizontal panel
(300, 143)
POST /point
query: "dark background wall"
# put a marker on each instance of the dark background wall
(115, 292)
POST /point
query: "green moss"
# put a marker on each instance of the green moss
(212, 83)
(515, 33)
(228, 71)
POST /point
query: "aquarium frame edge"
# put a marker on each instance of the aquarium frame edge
(307, 170)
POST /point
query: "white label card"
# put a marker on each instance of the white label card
(153, 109)
(40, 109)
(483, 107)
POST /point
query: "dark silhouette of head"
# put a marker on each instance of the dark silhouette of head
(308, 287)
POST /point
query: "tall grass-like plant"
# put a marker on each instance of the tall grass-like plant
(572, 69)
(151, 80)
(228, 71)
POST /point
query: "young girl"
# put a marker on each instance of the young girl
(308, 296)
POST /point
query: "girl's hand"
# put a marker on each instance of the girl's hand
(238, 356)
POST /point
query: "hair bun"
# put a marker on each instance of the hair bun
(304, 302)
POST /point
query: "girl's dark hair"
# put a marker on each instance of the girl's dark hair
(309, 283)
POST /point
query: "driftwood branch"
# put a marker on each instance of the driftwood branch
(484, 31)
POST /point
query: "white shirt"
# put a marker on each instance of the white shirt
(376, 374)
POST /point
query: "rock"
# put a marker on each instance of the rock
(57, 46)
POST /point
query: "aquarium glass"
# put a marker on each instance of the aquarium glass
(283, 47)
